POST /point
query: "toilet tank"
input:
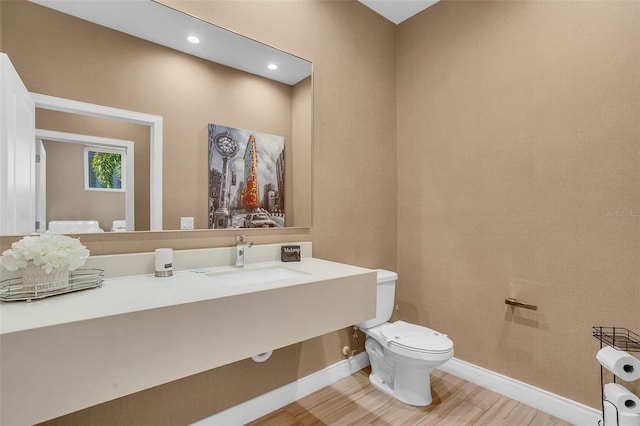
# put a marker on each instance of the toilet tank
(385, 297)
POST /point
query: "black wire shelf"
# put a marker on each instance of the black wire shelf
(622, 339)
(619, 338)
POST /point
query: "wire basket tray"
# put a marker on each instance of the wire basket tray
(13, 289)
(618, 337)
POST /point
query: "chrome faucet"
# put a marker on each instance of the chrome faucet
(241, 246)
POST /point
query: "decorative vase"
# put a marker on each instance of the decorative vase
(37, 280)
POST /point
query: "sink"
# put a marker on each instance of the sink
(236, 276)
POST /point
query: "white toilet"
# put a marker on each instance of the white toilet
(402, 355)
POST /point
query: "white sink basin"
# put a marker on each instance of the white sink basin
(236, 276)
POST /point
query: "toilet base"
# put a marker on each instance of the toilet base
(404, 379)
(380, 384)
(403, 395)
(413, 384)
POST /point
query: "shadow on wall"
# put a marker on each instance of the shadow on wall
(518, 335)
(525, 318)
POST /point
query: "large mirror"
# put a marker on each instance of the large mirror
(135, 56)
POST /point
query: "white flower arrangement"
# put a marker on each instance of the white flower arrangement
(49, 251)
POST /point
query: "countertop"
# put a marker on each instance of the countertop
(144, 292)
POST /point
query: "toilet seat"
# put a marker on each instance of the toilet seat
(416, 338)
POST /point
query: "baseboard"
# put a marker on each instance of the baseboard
(264, 404)
(556, 405)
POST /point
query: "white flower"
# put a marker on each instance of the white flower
(50, 251)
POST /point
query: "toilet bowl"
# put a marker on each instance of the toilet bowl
(402, 355)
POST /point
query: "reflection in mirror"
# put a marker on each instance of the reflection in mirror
(86, 111)
(71, 155)
(91, 63)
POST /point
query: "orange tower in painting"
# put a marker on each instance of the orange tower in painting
(250, 197)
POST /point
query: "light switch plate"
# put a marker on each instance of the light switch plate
(186, 222)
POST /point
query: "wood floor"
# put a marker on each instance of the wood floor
(353, 401)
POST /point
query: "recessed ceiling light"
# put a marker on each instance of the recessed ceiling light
(272, 66)
(193, 39)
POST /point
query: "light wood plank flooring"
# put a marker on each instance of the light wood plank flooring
(353, 401)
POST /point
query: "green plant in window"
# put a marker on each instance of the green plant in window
(105, 165)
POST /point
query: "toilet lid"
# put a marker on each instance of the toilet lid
(415, 337)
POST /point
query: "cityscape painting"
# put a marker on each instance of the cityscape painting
(246, 178)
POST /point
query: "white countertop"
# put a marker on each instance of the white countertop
(145, 292)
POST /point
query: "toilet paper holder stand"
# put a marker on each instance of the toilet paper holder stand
(619, 338)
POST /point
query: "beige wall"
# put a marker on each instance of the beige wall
(518, 176)
(67, 198)
(354, 184)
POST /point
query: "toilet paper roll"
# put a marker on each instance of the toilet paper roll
(620, 363)
(611, 418)
(622, 398)
(627, 419)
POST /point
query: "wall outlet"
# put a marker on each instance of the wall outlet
(186, 223)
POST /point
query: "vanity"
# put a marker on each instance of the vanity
(69, 352)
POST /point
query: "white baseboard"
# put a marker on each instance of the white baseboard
(556, 405)
(264, 404)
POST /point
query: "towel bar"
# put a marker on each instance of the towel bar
(514, 302)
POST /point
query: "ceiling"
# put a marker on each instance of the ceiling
(398, 10)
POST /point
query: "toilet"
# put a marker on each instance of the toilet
(402, 355)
